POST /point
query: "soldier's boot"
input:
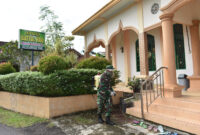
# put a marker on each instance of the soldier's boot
(100, 119)
(109, 122)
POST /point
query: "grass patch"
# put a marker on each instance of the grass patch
(18, 120)
(85, 118)
(82, 120)
(50, 125)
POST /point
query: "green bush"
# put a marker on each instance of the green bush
(6, 68)
(60, 83)
(94, 63)
(52, 63)
(74, 81)
(34, 68)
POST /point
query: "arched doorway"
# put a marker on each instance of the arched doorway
(122, 43)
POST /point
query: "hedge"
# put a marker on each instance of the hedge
(60, 83)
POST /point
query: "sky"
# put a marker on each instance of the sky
(24, 14)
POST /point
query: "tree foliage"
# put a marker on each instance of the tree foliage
(11, 53)
(56, 40)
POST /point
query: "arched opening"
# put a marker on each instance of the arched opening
(122, 46)
(96, 48)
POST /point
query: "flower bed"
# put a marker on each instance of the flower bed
(48, 107)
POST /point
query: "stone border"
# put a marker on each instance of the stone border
(49, 107)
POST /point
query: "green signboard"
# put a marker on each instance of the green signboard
(31, 40)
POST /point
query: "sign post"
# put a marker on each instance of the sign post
(31, 40)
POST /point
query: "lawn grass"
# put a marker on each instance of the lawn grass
(18, 120)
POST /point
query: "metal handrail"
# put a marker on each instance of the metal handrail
(154, 74)
(152, 78)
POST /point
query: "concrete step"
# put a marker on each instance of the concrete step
(191, 105)
(179, 112)
(171, 121)
(173, 107)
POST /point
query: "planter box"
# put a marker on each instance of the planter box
(49, 107)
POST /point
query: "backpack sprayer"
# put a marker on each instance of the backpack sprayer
(97, 81)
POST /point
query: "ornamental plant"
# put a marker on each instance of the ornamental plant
(134, 84)
(6, 68)
(52, 63)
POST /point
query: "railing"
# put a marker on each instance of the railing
(152, 88)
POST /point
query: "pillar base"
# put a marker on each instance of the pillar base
(194, 84)
(172, 91)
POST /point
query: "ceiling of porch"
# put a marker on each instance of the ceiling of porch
(187, 13)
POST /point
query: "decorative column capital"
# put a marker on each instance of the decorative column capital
(167, 16)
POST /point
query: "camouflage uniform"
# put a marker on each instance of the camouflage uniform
(104, 98)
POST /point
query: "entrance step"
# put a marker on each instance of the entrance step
(167, 120)
(177, 113)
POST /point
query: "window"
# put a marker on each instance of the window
(137, 56)
(151, 54)
(179, 46)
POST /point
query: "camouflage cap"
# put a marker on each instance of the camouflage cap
(109, 67)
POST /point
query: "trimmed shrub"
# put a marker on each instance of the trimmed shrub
(94, 63)
(6, 68)
(34, 68)
(74, 81)
(60, 83)
(52, 63)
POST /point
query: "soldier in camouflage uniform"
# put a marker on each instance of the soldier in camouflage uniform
(104, 95)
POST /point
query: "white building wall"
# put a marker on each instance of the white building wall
(120, 56)
(149, 18)
(99, 32)
(128, 18)
(164, 2)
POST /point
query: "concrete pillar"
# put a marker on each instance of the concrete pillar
(195, 78)
(127, 55)
(107, 47)
(114, 53)
(161, 45)
(143, 48)
(171, 87)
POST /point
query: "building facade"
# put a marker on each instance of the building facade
(140, 36)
